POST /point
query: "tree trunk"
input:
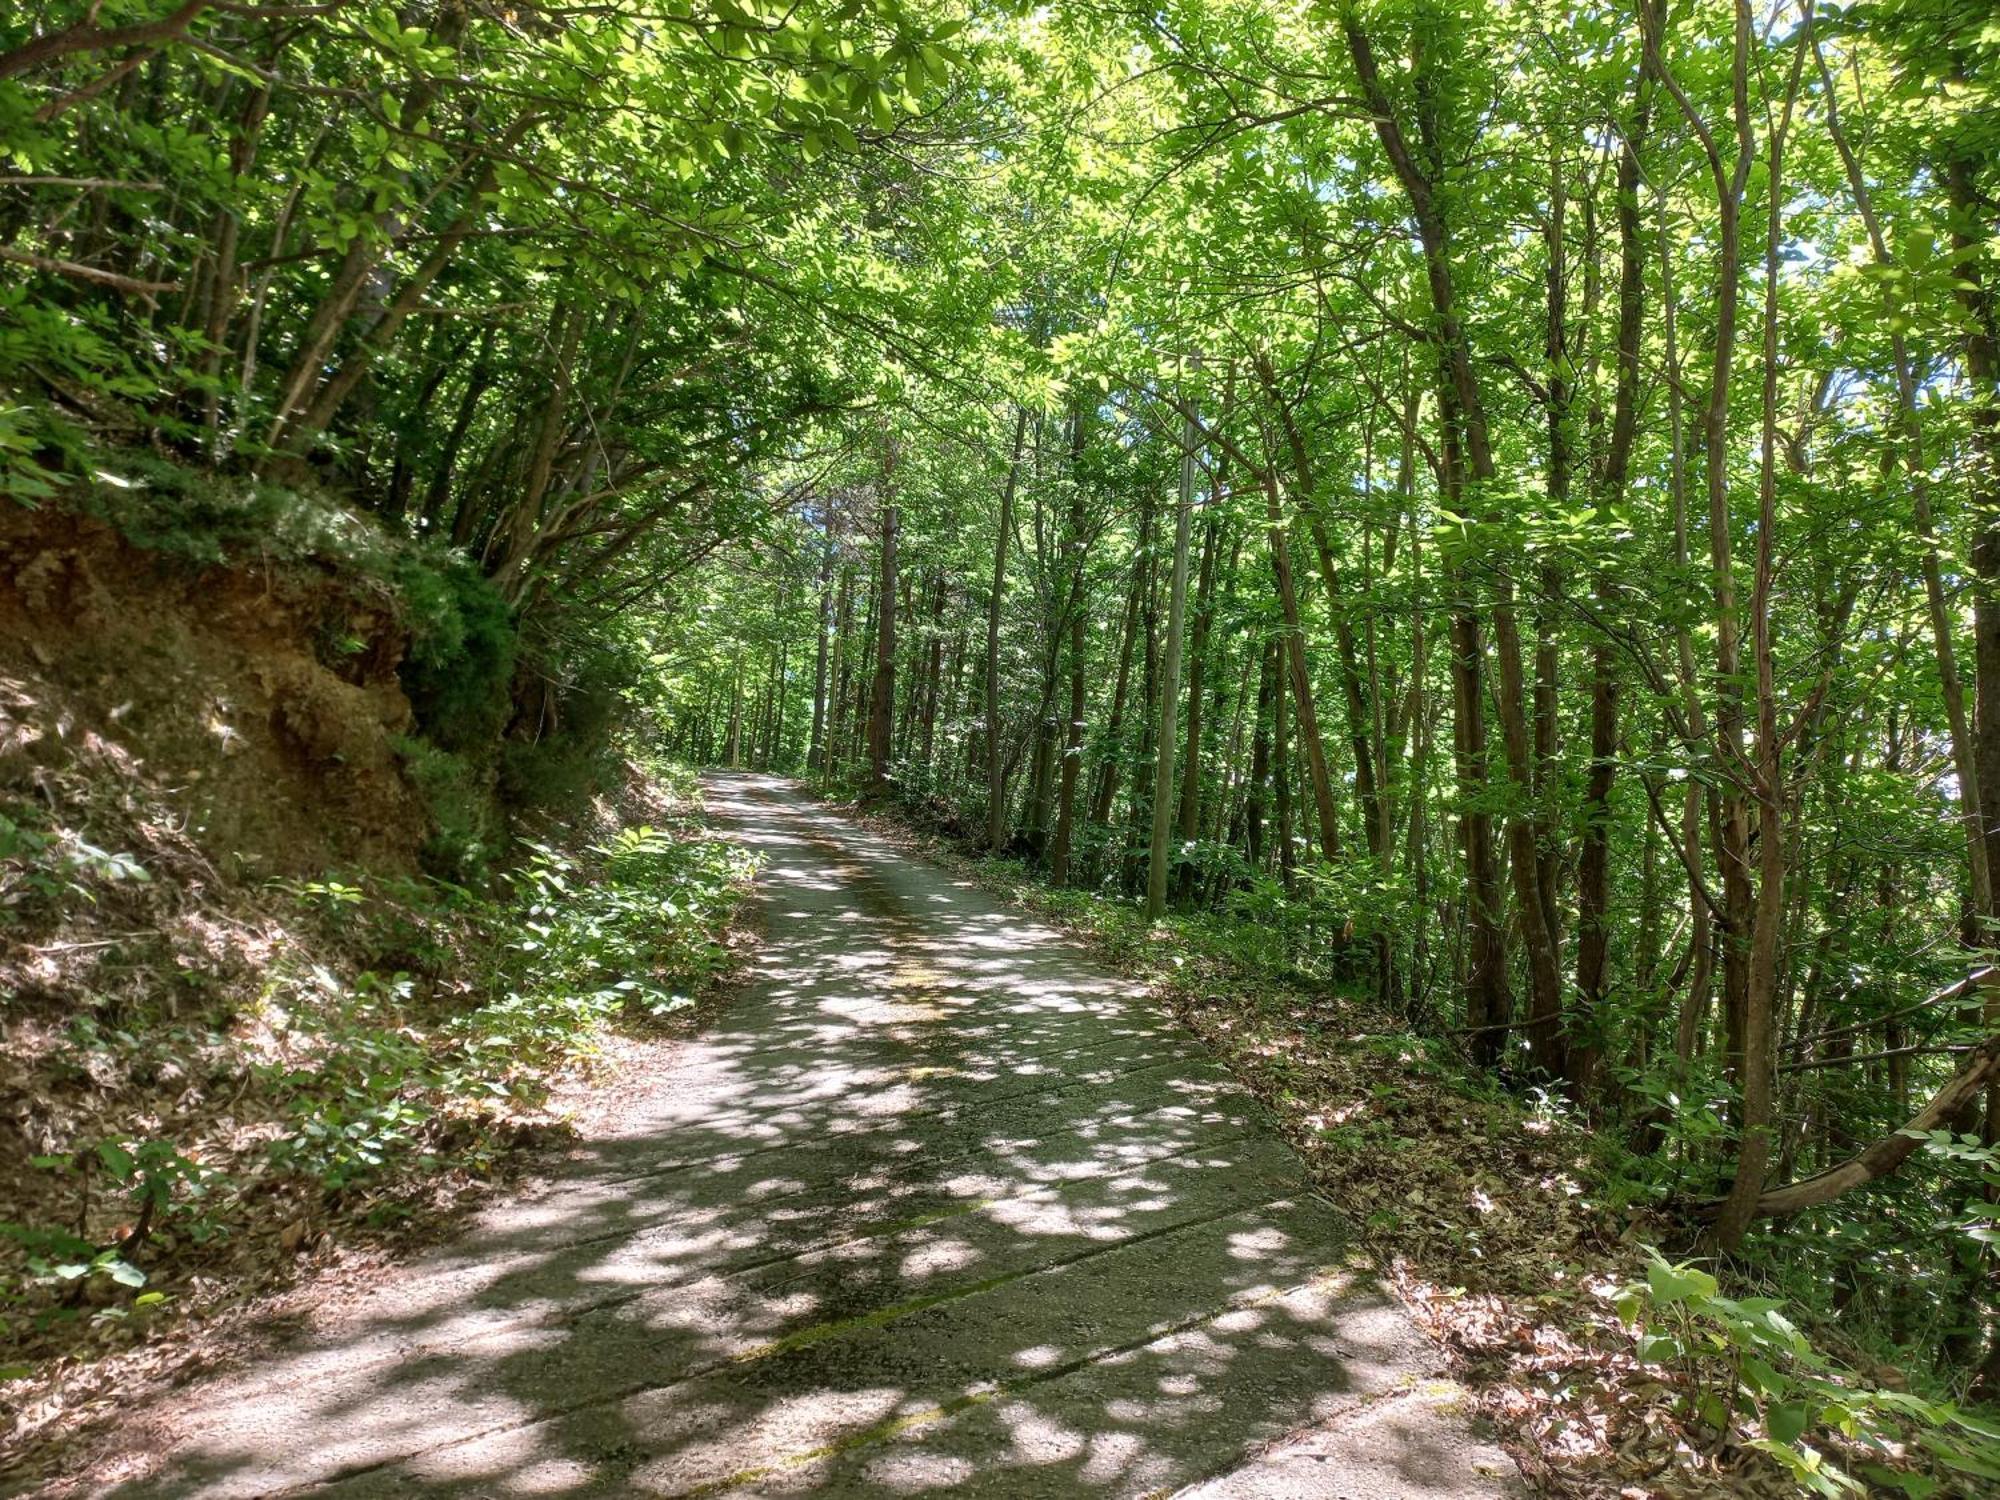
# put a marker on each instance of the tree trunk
(1072, 762)
(1760, 979)
(1204, 610)
(733, 753)
(882, 698)
(1072, 749)
(1593, 881)
(1301, 674)
(1281, 770)
(1170, 687)
(1468, 449)
(1260, 755)
(1359, 718)
(816, 748)
(1114, 723)
(996, 778)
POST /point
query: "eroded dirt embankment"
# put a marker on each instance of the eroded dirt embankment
(174, 737)
(240, 715)
(178, 740)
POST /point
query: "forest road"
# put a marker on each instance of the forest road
(934, 1206)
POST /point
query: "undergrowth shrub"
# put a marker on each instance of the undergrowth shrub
(629, 931)
(572, 704)
(457, 792)
(642, 934)
(42, 867)
(206, 518)
(382, 1075)
(1743, 1370)
(463, 643)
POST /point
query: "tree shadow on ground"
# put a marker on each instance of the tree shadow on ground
(934, 1208)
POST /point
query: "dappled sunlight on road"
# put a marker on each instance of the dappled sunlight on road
(934, 1206)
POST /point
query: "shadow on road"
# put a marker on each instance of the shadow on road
(933, 1207)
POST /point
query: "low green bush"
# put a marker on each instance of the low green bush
(628, 931)
(381, 1076)
(1745, 1372)
(457, 792)
(463, 642)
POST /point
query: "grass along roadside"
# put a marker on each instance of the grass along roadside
(399, 1046)
(1518, 1240)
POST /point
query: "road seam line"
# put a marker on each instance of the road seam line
(778, 1348)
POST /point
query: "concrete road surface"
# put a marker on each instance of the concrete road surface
(934, 1207)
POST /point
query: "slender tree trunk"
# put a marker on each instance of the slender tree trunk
(1190, 791)
(1114, 723)
(477, 382)
(1281, 770)
(1072, 754)
(518, 537)
(1260, 755)
(833, 755)
(1170, 685)
(733, 752)
(1359, 718)
(1760, 981)
(1468, 453)
(1072, 762)
(816, 748)
(996, 778)
(882, 699)
(933, 674)
(1301, 674)
(1593, 881)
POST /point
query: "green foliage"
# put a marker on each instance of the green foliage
(54, 1260)
(159, 1184)
(457, 792)
(459, 669)
(197, 517)
(642, 327)
(158, 1177)
(40, 869)
(641, 936)
(1978, 1219)
(1745, 1370)
(384, 1074)
(564, 745)
(679, 148)
(626, 931)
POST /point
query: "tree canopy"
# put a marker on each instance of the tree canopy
(1497, 504)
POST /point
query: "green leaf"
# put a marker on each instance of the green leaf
(1761, 1378)
(1956, 1455)
(1672, 1284)
(117, 1160)
(1786, 1421)
(1657, 1348)
(125, 1273)
(1916, 1486)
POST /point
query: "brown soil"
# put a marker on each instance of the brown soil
(249, 709)
(175, 739)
